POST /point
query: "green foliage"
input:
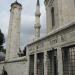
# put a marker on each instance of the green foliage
(2, 40)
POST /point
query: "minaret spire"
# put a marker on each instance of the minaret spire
(37, 20)
(38, 2)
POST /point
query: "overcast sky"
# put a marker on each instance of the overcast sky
(27, 19)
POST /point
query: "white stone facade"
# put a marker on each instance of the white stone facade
(53, 54)
(15, 67)
(63, 13)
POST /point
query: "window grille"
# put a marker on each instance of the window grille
(40, 64)
(52, 63)
(69, 61)
(31, 65)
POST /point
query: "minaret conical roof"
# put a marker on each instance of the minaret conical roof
(16, 3)
(38, 2)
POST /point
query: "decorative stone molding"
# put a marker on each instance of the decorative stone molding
(46, 2)
(66, 34)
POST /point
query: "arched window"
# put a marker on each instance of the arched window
(53, 17)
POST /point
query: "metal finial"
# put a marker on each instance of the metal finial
(16, 0)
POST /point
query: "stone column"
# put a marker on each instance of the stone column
(28, 60)
(45, 63)
(60, 62)
(35, 64)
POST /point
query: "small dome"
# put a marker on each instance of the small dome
(15, 3)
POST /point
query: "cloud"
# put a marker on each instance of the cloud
(4, 21)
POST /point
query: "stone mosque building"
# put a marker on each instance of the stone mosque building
(53, 54)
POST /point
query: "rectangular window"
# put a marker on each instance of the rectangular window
(52, 68)
(69, 61)
(31, 65)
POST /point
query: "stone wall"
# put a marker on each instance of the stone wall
(18, 67)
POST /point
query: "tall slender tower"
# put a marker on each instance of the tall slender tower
(37, 20)
(13, 42)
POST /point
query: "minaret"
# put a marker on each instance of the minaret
(13, 41)
(37, 21)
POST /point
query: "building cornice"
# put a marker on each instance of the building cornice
(53, 32)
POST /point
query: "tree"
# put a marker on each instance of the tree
(2, 40)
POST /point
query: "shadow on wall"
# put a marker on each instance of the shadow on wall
(4, 72)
